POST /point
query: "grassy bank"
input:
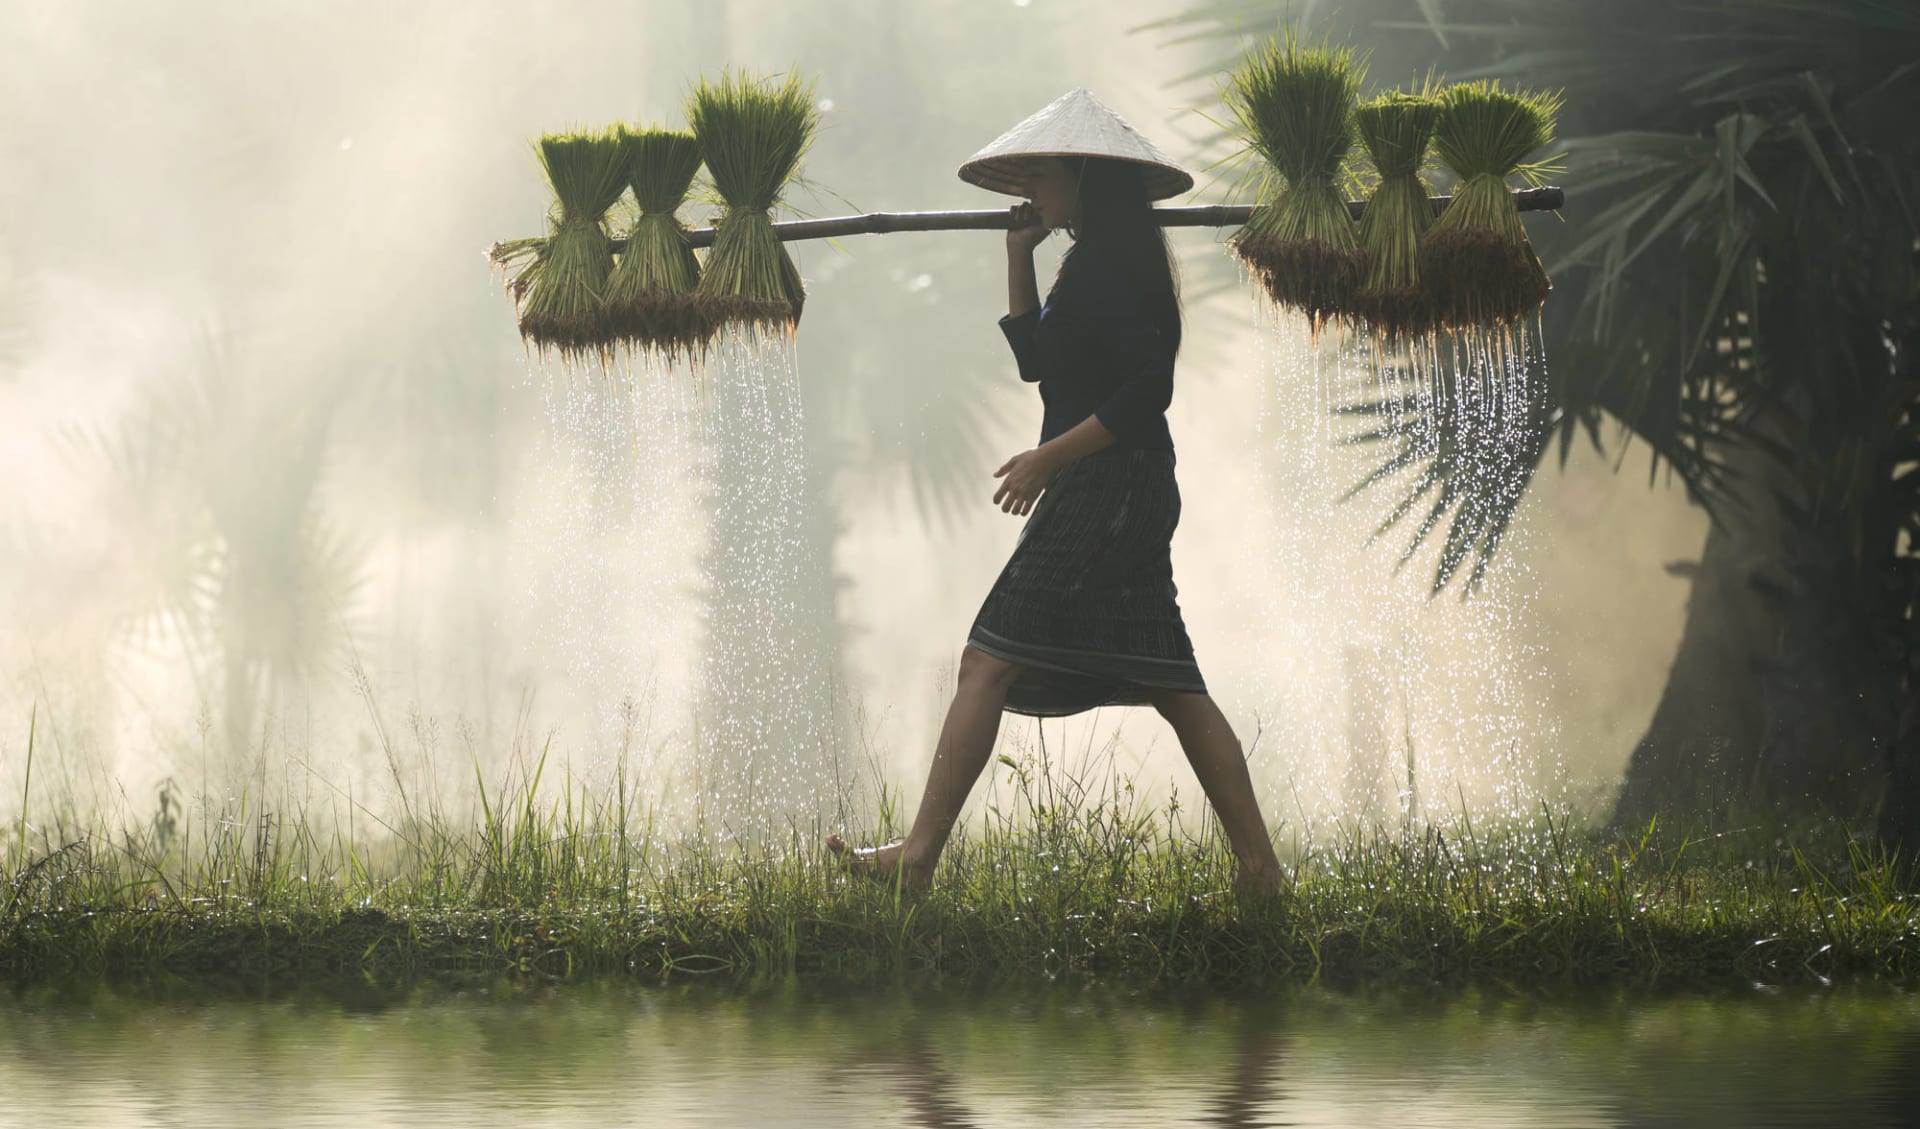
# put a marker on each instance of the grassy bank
(564, 887)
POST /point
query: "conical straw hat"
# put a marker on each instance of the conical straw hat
(1076, 125)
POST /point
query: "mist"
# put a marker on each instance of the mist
(291, 504)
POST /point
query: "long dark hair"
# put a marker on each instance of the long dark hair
(1118, 252)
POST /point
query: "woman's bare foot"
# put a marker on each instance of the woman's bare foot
(880, 863)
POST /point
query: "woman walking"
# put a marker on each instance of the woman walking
(1084, 614)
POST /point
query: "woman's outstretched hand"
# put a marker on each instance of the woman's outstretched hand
(1027, 231)
(1023, 477)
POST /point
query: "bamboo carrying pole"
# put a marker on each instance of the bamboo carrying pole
(1547, 199)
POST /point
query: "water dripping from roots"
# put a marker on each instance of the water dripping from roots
(766, 710)
(1380, 703)
(615, 542)
(681, 594)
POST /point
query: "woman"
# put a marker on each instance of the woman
(1084, 614)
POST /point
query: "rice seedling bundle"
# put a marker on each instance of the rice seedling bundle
(519, 261)
(1475, 261)
(752, 133)
(650, 295)
(565, 285)
(1295, 106)
(1397, 130)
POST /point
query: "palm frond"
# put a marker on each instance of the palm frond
(1476, 438)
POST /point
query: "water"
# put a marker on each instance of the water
(685, 531)
(699, 1055)
(676, 585)
(1381, 702)
(767, 702)
(616, 548)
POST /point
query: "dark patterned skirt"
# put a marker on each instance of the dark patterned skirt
(1086, 604)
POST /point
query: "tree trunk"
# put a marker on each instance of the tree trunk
(1900, 811)
(1899, 826)
(1780, 705)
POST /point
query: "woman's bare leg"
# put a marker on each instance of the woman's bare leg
(1216, 757)
(966, 741)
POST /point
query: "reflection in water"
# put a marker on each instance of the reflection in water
(1896, 1086)
(935, 1095)
(620, 1053)
(1241, 1104)
(932, 1096)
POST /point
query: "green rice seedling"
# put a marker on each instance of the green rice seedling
(1397, 129)
(1475, 261)
(519, 262)
(1295, 106)
(563, 307)
(752, 132)
(650, 296)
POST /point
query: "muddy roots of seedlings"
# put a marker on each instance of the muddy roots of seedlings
(1398, 314)
(1389, 298)
(1308, 275)
(1475, 261)
(574, 262)
(651, 304)
(753, 134)
(650, 297)
(750, 279)
(1397, 130)
(1294, 105)
(566, 285)
(1480, 277)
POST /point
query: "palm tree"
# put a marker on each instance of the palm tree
(1736, 287)
(238, 561)
(15, 318)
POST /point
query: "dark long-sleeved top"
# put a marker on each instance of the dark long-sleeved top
(1098, 356)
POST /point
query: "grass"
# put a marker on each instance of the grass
(569, 883)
